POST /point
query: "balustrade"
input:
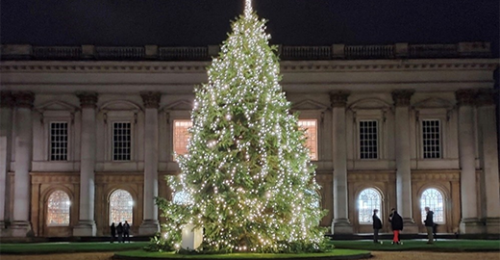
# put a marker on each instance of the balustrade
(43, 53)
(183, 53)
(202, 53)
(369, 52)
(117, 53)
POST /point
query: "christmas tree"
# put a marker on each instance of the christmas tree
(247, 176)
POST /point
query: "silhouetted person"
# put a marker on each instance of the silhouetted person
(377, 225)
(126, 231)
(429, 225)
(113, 232)
(119, 230)
(396, 225)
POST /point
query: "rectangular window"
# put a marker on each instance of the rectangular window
(431, 137)
(181, 136)
(311, 128)
(58, 141)
(368, 139)
(121, 141)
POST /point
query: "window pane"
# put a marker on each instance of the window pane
(433, 199)
(431, 139)
(58, 141)
(58, 209)
(368, 200)
(311, 132)
(181, 136)
(122, 141)
(121, 207)
(368, 139)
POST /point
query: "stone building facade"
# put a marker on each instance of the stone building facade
(88, 132)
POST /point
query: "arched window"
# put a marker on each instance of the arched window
(368, 200)
(121, 207)
(315, 203)
(183, 198)
(58, 209)
(433, 199)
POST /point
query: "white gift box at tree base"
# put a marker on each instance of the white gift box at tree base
(191, 238)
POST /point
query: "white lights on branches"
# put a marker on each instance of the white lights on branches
(211, 144)
(247, 175)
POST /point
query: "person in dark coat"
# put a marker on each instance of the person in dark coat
(377, 225)
(429, 225)
(396, 225)
(119, 231)
(113, 232)
(126, 232)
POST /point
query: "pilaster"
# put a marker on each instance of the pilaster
(150, 224)
(7, 102)
(86, 224)
(402, 100)
(488, 150)
(466, 146)
(21, 225)
(341, 223)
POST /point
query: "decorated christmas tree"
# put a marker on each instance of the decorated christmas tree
(247, 179)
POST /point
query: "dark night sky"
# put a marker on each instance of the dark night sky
(206, 22)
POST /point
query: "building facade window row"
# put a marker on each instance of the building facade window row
(368, 136)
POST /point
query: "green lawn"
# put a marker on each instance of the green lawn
(440, 245)
(51, 248)
(421, 245)
(333, 253)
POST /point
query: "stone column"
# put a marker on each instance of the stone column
(488, 151)
(403, 167)
(6, 105)
(340, 224)
(24, 142)
(150, 223)
(86, 223)
(466, 147)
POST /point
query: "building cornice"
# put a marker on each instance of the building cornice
(286, 66)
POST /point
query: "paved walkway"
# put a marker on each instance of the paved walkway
(406, 255)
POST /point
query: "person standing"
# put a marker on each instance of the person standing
(126, 232)
(429, 225)
(396, 225)
(113, 232)
(377, 225)
(119, 230)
